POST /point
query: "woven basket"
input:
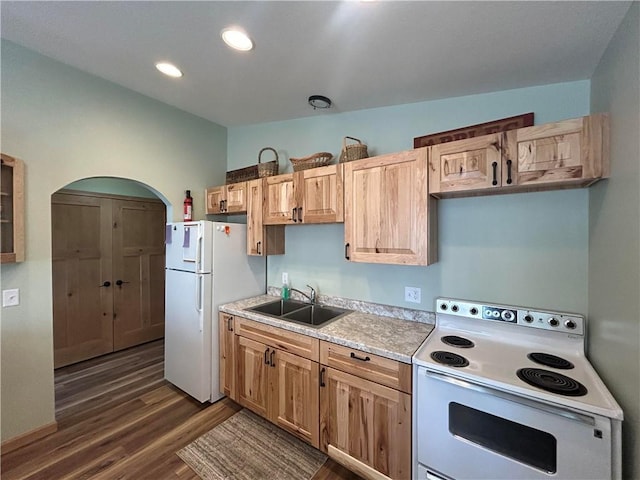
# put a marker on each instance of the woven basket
(267, 169)
(242, 174)
(319, 159)
(355, 151)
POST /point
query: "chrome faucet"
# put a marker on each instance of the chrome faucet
(311, 295)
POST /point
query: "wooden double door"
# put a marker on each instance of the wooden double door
(108, 273)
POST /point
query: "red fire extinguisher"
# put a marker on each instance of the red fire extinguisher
(188, 207)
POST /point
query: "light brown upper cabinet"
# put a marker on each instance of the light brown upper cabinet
(389, 215)
(261, 239)
(314, 195)
(569, 153)
(230, 198)
(11, 210)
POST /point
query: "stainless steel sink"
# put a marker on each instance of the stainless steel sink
(278, 308)
(300, 312)
(315, 314)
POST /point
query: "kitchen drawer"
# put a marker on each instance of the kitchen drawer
(379, 369)
(279, 338)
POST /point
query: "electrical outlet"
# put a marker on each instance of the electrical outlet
(412, 294)
(285, 278)
(10, 298)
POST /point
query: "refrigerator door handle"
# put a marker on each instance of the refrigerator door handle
(199, 253)
(200, 301)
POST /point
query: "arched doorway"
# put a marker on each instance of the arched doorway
(107, 267)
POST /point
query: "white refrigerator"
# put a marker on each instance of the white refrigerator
(206, 266)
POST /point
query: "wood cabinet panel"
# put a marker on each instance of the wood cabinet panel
(389, 215)
(366, 421)
(295, 396)
(279, 338)
(314, 195)
(11, 210)
(570, 152)
(475, 163)
(227, 355)
(230, 198)
(379, 369)
(322, 195)
(252, 376)
(262, 240)
(280, 200)
(565, 154)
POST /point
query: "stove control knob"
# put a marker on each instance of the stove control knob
(528, 318)
(570, 324)
(473, 311)
(454, 308)
(554, 322)
(507, 315)
(443, 306)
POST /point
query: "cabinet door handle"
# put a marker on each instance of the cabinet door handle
(300, 214)
(226, 206)
(362, 359)
(346, 251)
(220, 205)
(322, 372)
(106, 284)
(273, 352)
(230, 323)
(494, 166)
(120, 282)
(266, 354)
(293, 215)
(509, 162)
(258, 248)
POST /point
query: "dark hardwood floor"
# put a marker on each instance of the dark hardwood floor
(119, 419)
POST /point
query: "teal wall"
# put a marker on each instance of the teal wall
(110, 185)
(614, 234)
(527, 249)
(67, 125)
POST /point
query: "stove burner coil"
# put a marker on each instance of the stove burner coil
(455, 341)
(549, 360)
(553, 382)
(450, 359)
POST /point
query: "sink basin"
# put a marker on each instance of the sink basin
(278, 308)
(315, 314)
(301, 312)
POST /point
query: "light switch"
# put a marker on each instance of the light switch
(10, 298)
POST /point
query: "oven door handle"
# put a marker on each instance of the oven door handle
(513, 398)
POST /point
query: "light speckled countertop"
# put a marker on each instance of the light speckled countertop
(389, 337)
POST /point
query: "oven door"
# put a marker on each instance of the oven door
(468, 431)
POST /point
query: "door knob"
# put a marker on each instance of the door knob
(120, 282)
(106, 284)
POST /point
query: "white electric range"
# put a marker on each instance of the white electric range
(504, 392)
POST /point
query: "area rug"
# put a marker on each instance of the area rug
(246, 447)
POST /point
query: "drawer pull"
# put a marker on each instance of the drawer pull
(365, 359)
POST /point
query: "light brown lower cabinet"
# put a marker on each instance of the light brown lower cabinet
(364, 425)
(227, 355)
(276, 384)
(353, 405)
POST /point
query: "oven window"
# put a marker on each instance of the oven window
(519, 442)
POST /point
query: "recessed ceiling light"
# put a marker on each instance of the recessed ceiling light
(169, 69)
(237, 38)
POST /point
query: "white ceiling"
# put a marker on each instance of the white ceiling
(360, 54)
